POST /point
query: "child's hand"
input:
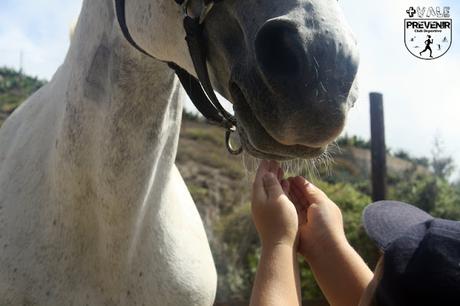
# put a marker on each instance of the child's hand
(320, 219)
(273, 213)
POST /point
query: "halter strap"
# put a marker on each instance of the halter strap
(121, 16)
(199, 90)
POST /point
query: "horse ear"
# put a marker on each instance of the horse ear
(72, 27)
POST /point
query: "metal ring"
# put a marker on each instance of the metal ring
(230, 149)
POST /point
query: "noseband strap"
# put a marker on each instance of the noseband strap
(199, 90)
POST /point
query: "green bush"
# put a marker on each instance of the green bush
(15, 87)
(354, 141)
(433, 194)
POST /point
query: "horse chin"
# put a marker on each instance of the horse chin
(258, 142)
(277, 152)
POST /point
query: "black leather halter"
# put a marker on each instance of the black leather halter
(199, 90)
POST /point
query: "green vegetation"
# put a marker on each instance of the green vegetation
(15, 87)
(189, 116)
(353, 141)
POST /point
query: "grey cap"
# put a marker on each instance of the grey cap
(421, 263)
(385, 221)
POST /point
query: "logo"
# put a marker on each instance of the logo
(428, 31)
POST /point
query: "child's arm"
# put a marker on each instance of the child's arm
(277, 278)
(340, 272)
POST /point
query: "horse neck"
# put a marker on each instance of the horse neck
(120, 124)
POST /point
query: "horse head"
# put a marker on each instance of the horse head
(288, 67)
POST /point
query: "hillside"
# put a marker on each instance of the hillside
(15, 87)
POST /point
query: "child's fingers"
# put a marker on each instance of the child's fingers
(295, 200)
(291, 185)
(264, 167)
(300, 203)
(311, 193)
(290, 181)
(285, 186)
(297, 197)
(280, 174)
(257, 187)
(272, 186)
(273, 167)
(300, 181)
(304, 202)
(294, 186)
(300, 200)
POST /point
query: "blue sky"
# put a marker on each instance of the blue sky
(38, 28)
(421, 97)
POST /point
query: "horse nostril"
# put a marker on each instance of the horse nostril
(278, 49)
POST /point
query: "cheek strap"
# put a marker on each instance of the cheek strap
(199, 90)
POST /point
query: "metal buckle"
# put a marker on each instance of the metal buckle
(228, 143)
(204, 12)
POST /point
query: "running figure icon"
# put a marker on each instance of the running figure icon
(428, 43)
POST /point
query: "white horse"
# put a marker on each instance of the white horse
(93, 210)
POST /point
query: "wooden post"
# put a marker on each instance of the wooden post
(378, 149)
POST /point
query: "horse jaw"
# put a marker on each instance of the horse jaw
(156, 26)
